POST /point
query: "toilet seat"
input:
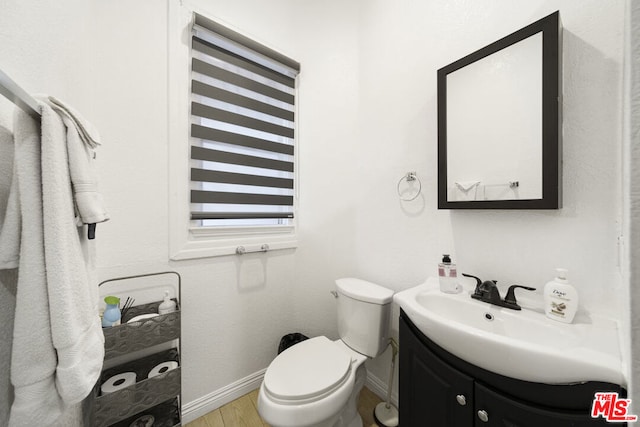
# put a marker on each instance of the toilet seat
(307, 371)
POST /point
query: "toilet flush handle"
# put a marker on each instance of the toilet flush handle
(334, 293)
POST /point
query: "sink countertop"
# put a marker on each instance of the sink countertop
(524, 344)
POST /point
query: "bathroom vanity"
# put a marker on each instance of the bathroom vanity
(466, 362)
(440, 389)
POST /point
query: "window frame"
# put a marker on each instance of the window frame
(187, 241)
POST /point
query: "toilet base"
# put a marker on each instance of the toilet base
(350, 416)
(324, 412)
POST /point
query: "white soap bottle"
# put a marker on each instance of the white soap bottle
(560, 298)
(448, 276)
(166, 306)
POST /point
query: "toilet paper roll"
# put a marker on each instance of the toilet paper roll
(163, 367)
(118, 382)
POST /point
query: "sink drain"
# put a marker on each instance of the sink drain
(488, 316)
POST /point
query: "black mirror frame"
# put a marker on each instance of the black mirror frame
(551, 29)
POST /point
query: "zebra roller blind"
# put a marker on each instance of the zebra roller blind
(242, 129)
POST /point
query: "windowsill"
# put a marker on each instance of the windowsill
(204, 242)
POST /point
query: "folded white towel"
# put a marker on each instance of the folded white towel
(88, 133)
(467, 185)
(82, 139)
(467, 190)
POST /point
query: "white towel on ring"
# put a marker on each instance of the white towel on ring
(467, 190)
(467, 185)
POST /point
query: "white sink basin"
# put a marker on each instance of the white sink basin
(519, 344)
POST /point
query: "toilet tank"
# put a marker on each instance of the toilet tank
(364, 309)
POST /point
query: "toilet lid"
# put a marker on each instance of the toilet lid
(309, 368)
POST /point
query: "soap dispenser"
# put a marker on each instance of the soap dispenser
(448, 276)
(167, 306)
(560, 298)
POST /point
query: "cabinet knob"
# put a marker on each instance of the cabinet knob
(483, 415)
(461, 399)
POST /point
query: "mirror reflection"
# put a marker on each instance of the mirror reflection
(494, 126)
(498, 123)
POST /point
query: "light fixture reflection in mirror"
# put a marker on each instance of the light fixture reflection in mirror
(498, 123)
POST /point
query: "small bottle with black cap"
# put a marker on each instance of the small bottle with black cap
(448, 276)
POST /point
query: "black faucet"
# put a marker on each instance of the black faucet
(487, 291)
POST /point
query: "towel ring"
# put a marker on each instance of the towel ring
(409, 177)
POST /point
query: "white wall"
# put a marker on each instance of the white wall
(519, 246)
(234, 309)
(398, 244)
(631, 150)
(109, 60)
(367, 117)
(525, 247)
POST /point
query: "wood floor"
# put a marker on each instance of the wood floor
(243, 412)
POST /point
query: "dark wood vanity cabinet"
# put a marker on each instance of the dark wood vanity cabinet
(432, 393)
(438, 389)
(506, 412)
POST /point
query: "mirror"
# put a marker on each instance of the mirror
(499, 126)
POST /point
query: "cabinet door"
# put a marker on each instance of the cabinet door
(496, 409)
(432, 394)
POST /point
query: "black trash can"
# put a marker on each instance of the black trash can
(290, 340)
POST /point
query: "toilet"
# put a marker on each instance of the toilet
(316, 382)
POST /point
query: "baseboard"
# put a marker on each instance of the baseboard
(379, 387)
(214, 400)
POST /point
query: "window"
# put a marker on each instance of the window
(242, 131)
(232, 140)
